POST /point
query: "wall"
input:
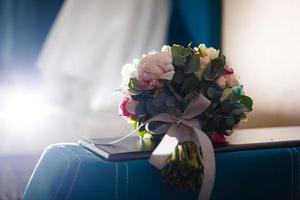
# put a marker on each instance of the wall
(261, 41)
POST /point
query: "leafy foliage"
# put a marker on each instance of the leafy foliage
(228, 105)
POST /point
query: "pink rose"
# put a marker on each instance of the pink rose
(153, 69)
(127, 107)
(221, 81)
(231, 80)
(228, 70)
(228, 79)
(218, 138)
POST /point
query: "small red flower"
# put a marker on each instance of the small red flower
(218, 138)
(127, 107)
(228, 70)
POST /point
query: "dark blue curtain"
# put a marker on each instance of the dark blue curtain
(197, 21)
(24, 25)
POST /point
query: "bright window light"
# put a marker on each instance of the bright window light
(23, 108)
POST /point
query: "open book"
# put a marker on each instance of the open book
(133, 147)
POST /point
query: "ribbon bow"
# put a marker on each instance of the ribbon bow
(182, 129)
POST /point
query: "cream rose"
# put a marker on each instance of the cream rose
(212, 53)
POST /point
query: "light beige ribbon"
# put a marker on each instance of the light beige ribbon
(182, 129)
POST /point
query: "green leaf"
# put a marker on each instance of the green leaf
(180, 54)
(179, 61)
(135, 125)
(227, 107)
(179, 76)
(151, 108)
(239, 111)
(170, 101)
(133, 91)
(215, 68)
(140, 109)
(188, 98)
(193, 64)
(178, 50)
(171, 110)
(238, 89)
(219, 61)
(213, 124)
(234, 98)
(191, 83)
(246, 101)
(160, 100)
(134, 84)
(212, 72)
(229, 121)
(142, 133)
(214, 93)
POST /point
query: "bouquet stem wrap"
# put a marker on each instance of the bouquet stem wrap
(182, 129)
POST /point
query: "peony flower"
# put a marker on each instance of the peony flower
(212, 53)
(218, 138)
(127, 107)
(154, 68)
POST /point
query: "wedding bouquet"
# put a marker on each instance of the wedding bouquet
(183, 92)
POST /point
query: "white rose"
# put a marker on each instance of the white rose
(129, 71)
(167, 48)
(212, 53)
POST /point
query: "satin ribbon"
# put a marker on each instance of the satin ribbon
(182, 129)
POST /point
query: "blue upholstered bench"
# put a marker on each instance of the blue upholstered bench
(69, 171)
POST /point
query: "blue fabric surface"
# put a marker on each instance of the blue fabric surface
(68, 171)
(15, 171)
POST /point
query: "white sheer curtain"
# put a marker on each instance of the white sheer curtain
(91, 40)
(89, 43)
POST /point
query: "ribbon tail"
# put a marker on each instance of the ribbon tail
(115, 141)
(209, 168)
(162, 152)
